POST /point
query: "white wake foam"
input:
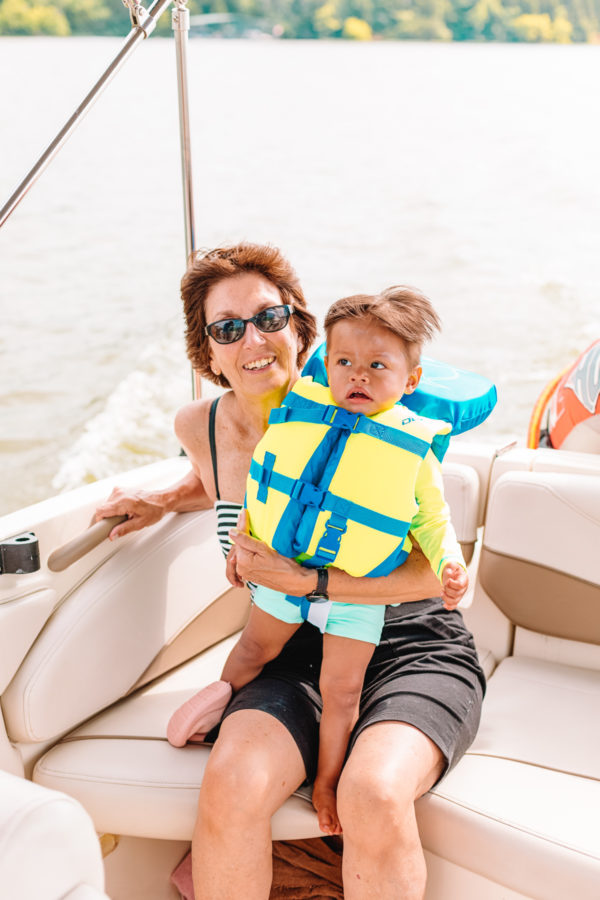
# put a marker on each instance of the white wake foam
(136, 425)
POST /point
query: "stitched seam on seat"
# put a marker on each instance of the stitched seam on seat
(131, 782)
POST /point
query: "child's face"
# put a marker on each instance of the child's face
(368, 367)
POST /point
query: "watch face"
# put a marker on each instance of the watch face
(317, 598)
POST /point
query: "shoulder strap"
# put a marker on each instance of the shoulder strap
(310, 412)
(213, 443)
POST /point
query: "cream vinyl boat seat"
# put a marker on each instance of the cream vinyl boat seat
(48, 846)
(123, 628)
(514, 817)
(521, 808)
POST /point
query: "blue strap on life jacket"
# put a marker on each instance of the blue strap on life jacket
(357, 423)
(462, 398)
(302, 602)
(308, 495)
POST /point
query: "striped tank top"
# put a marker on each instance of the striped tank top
(227, 511)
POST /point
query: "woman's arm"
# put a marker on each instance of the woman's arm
(413, 580)
(254, 561)
(145, 508)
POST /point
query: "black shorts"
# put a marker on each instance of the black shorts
(425, 672)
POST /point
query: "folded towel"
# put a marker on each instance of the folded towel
(307, 870)
(302, 870)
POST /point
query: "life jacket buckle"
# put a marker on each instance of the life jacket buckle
(307, 494)
(329, 544)
(341, 418)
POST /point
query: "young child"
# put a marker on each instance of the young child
(340, 477)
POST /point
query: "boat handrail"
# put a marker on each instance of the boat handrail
(69, 553)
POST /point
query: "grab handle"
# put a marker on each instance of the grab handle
(65, 556)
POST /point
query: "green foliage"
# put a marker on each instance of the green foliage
(559, 21)
(23, 17)
(327, 23)
(357, 29)
(85, 16)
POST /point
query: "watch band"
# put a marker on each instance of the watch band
(320, 592)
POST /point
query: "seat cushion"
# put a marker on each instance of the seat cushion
(120, 766)
(521, 808)
(48, 847)
(543, 714)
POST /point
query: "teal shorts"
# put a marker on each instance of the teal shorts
(359, 621)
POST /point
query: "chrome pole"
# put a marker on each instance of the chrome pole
(181, 26)
(143, 25)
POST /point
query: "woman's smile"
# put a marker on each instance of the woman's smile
(259, 364)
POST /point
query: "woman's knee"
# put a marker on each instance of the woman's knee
(390, 767)
(252, 768)
(369, 806)
(235, 788)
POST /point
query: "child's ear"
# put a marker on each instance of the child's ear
(413, 380)
(326, 361)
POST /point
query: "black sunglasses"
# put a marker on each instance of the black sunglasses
(228, 331)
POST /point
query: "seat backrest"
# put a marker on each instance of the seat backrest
(540, 556)
(159, 599)
(462, 491)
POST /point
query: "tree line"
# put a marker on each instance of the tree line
(558, 21)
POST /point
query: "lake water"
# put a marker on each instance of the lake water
(468, 170)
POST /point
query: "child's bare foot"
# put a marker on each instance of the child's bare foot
(323, 799)
(192, 721)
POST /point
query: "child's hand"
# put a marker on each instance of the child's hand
(455, 582)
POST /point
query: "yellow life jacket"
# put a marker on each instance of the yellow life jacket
(329, 486)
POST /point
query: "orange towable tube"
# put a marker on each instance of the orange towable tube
(569, 399)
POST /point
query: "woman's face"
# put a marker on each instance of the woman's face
(258, 363)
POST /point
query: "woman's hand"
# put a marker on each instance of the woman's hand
(231, 568)
(142, 508)
(254, 561)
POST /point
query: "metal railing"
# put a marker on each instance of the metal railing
(143, 23)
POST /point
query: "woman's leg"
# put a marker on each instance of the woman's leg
(345, 661)
(253, 767)
(262, 640)
(391, 765)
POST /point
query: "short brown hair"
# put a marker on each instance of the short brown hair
(405, 311)
(208, 268)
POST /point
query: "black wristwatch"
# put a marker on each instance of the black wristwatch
(320, 595)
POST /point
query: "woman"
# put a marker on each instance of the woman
(423, 689)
